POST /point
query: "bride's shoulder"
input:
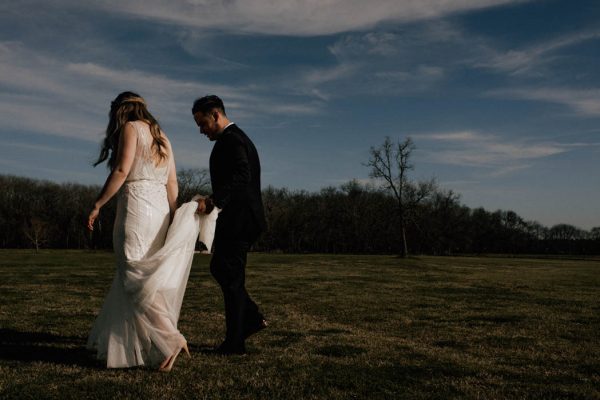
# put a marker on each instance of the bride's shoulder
(139, 123)
(130, 128)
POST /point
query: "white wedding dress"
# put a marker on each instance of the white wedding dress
(137, 324)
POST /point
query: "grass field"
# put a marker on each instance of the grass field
(341, 327)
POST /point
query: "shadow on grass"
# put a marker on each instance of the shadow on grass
(389, 381)
(285, 338)
(206, 349)
(46, 347)
(340, 350)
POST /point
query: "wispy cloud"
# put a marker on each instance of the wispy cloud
(303, 18)
(41, 148)
(418, 57)
(583, 101)
(474, 149)
(371, 43)
(52, 96)
(449, 46)
(373, 63)
(526, 60)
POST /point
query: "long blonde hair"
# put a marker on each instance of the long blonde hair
(129, 106)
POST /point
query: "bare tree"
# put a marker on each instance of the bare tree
(565, 232)
(391, 163)
(192, 181)
(36, 231)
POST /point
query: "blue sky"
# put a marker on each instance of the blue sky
(501, 97)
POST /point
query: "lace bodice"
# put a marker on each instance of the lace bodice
(144, 168)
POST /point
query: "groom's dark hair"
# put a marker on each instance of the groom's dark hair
(207, 103)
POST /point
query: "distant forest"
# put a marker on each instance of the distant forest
(351, 218)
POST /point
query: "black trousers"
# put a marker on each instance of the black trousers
(228, 267)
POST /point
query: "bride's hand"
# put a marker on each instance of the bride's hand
(92, 217)
(205, 205)
(201, 205)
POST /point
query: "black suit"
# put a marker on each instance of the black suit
(235, 179)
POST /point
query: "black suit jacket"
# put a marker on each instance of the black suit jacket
(235, 180)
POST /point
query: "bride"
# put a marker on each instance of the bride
(153, 242)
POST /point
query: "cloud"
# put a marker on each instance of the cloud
(18, 70)
(419, 57)
(474, 149)
(48, 95)
(525, 60)
(373, 63)
(40, 115)
(40, 148)
(448, 46)
(175, 95)
(318, 76)
(299, 18)
(372, 43)
(585, 102)
(464, 136)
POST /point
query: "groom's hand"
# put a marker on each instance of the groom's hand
(209, 205)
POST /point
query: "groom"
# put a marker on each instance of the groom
(235, 180)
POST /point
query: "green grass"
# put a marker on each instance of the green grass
(341, 327)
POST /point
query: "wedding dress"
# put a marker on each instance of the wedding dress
(137, 324)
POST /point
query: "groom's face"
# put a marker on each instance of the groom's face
(207, 123)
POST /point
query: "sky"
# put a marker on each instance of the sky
(501, 97)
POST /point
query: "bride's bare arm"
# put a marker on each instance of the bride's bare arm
(172, 188)
(125, 157)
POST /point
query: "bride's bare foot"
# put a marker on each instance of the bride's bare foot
(167, 365)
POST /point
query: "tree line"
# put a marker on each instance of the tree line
(351, 218)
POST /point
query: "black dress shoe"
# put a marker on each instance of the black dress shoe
(257, 328)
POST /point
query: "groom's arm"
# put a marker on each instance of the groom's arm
(240, 176)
